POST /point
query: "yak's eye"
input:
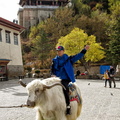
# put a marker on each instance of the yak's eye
(37, 90)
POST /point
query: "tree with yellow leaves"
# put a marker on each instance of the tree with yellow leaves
(75, 41)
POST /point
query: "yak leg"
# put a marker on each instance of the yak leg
(39, 116)
(74, 110)
(60, 115)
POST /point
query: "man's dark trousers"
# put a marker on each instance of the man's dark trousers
(66, 92)
(112, 79)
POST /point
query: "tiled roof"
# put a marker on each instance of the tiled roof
(11, 25)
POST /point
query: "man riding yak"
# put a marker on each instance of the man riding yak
(62, 68)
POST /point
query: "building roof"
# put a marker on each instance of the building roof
(4, 61)
(36, 0)
(11, 25)
(22, 2)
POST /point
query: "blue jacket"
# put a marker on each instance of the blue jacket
(63, 66)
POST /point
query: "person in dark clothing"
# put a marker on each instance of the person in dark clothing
(77, 73)
(111, 74)
(62, 68)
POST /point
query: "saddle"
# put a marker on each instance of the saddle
(73, 94)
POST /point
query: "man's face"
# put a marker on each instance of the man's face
(60, 52)
(111, 67)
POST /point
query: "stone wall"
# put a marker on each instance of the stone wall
(14, 71)
(93, 70)
(32, 15)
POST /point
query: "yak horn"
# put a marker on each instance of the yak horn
(53, 85)
(21, 82)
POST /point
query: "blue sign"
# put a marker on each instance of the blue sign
(103, 68)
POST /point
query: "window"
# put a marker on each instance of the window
(0, 35)
(7, 35)
(15, 39)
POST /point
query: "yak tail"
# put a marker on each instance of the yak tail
(79, 104)
(79, 109)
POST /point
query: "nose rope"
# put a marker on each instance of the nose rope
(19, 106)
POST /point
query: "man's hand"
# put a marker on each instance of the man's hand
(75, 83)
(87, 47)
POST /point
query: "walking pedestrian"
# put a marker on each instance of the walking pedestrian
(112, 73)
(107, 78)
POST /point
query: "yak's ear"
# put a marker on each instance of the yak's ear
(37, 90)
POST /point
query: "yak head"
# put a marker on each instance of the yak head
(36, 90)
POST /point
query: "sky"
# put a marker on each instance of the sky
(9, 9)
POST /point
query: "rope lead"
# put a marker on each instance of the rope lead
(19, 106)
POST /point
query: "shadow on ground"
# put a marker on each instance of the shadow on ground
(20, 94)
(7, 86)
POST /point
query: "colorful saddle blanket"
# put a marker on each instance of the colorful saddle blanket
(73, 94)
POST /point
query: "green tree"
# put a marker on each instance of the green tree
(80, 8)
(113, 52)
(41, 45)
(76, 40)
(101, 4)
(44, 36)
(94, 25)
(60, 24)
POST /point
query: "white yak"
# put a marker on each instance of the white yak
(48, 98)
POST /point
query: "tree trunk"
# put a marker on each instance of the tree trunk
(86, 65)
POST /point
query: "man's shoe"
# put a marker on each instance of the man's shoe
(114, 86)
(68, 110)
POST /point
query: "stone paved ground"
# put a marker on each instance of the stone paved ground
(98, 103)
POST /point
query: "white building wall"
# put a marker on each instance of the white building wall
(9, 50)
(12, 52)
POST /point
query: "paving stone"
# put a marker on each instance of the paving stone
(99, 103)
